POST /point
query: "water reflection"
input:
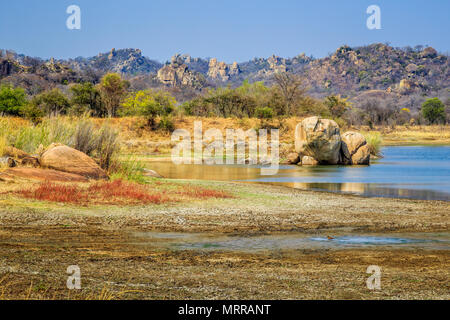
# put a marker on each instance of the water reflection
(405, 172)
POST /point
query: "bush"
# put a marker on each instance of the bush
(107, 146)
(166, 124)
(434, 111)
(12, 100)
(264, 113)
(85, 138)
(374, 141)
(52, 103)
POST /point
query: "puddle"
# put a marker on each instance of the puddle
(186, 241)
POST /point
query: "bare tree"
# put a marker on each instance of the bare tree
(292, 88)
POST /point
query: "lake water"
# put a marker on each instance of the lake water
(416, 172)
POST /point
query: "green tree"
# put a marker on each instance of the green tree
(113, 90)
(149, 104)
(12, 100)
(337, 105)
(86, 97)
(433, 110)
(52, 102)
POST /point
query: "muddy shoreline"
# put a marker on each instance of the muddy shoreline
(38, 241)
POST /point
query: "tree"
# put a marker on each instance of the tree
(86, 97)
(433, 110)
(149, 104)
(291, 87)
(113, 90)
(52, 102)
(337, 105)
(12, 100)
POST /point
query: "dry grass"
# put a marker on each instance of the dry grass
(404, 135)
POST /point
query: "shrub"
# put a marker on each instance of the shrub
(433, 110)
(374, 141)
(52, 102)
(12, 100)
(130, 169)
(85, 138)
(166, 124)
(264, 113)
(108, 146)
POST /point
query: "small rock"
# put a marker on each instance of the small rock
(309, 161)
(293, 158)
(151, 173)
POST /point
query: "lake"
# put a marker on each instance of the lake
(415, 172)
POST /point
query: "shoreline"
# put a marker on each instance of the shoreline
(38, 240)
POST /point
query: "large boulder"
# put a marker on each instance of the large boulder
(319, 139)
(355, 149)
(66, 159)
(42, 175)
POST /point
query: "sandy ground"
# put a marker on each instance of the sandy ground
(38, 241)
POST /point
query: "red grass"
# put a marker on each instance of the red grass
(117, 192)
(48, 191)
(201, 193)
(130, 191)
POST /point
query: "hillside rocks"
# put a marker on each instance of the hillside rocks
(177, 73)
(318, 141)
(66, 159)
(318, 138)
(222, 71)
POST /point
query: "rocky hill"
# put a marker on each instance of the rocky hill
(127, 61)
(347, 71)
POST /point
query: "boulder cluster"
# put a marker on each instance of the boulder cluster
(319, 141)
(177, 73)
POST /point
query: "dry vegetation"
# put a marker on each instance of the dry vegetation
(118, 192)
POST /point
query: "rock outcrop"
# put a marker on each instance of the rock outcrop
(318, 138)
(318, 141)
(66, 159)
(177, 73)
(222, 71)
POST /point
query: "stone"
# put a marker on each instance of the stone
(43, 175)
(362, 156)
(66, 159)
(293, 158)
(351, 142)
(15, 153)
(309, 161)
(355, 149)
(30, 162)
(151, 173)
(8, 162)
(318, 138)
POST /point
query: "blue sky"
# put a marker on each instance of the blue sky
(229, 30)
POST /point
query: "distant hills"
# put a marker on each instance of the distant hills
(349, 71)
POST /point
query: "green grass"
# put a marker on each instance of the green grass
(375, 141)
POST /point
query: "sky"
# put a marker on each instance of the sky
(229, 30)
